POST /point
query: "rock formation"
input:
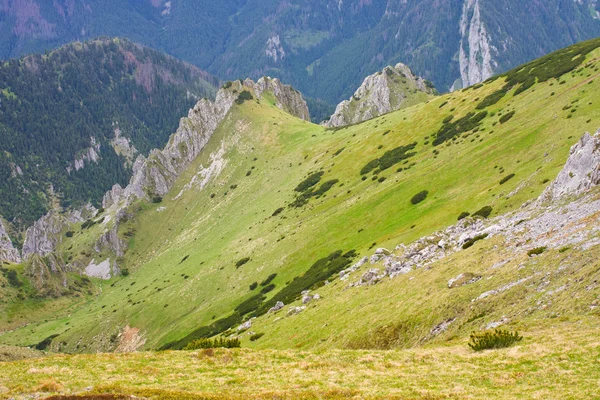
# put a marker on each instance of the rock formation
(7, 251)
(388, 90)
(156, 174)
(581, 172)
(475, 53)
(41, 238)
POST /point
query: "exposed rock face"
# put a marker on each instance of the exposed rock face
(103, 270)
(152, 176)
(288, 99)
(91, 154)
(380, 93)
(475, 53)
(45, 234)
(155, 175)
(581, 172)
(278, 306)
(7, 251)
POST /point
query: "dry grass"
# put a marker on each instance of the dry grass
(561, 361)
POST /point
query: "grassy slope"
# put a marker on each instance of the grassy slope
(562, 362)
(216, 232)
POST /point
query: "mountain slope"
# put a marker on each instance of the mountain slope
(323, 47)
(303, 202)
(73, 121)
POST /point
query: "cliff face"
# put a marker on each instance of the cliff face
(7, 251)
(475, 53)
(388, 90)
(155, 175)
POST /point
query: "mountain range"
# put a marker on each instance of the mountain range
(322, 47)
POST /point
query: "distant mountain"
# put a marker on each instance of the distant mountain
(323, 47)
(73, 121)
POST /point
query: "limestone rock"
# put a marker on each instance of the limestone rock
(44, 235)
(103, 270)
(466, 278)
(476, 51)
(7, 251)
(295, 310)
(580, 173)
(278, 306)
(388, 90)
(246, 325)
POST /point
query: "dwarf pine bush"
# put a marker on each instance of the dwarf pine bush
(497, 339)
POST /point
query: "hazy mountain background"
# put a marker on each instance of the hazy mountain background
(323, 47)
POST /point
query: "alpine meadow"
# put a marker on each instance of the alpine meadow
(172, 233)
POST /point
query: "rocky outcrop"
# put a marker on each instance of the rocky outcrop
(8, 252)
(475, 53)
(156, 174)
(91, 154)
(41, 238)
(388, 90)
(581, 172)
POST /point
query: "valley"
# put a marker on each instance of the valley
(452, 214)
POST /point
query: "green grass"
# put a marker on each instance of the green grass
(559, 361)
(215, 232)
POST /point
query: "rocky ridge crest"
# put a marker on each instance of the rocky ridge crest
(385, 91)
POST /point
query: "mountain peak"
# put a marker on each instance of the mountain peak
(390, 89)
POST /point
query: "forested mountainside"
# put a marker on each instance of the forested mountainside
(73, 121)
(323, 47)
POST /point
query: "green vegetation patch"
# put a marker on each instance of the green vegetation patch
(506, 178)
(494, 340)
(390, 158)
(472, 241)
(451, 129)
(419, 197)
(317, 274)
(537, 251)
(213, 344)
(244, 96)
(241, 262)
(483, 212)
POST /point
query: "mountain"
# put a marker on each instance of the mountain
(323, 47)
(388, 90)
(73, 121)
(464, 212)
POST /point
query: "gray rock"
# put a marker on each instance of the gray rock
(101, 270)
(466, 278)
(580, 173)
(278, 306)
(156, 174)
(371, 277)
(441, 327)
(295, 310)
(379, 93)
(7, 251)
(245, 325)
(44, 235)
(496, 324)
(306, 299)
